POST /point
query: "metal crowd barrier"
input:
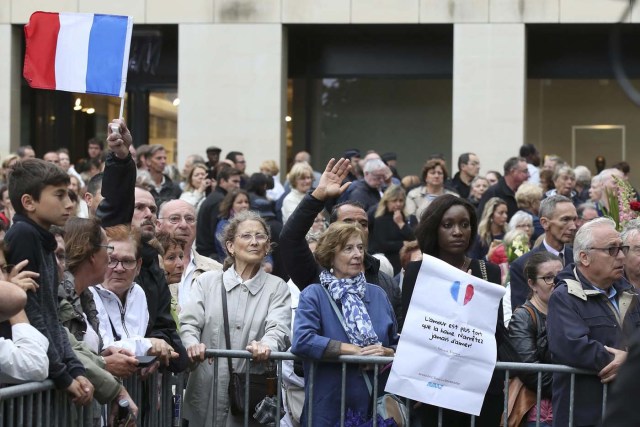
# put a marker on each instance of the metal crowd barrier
(40, 404)
(218, 354)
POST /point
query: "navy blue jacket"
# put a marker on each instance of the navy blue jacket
(580, 322)
(315, 326)
(517, 281)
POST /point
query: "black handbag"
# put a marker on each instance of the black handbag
(237, 381)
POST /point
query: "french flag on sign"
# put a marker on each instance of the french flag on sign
(78, 52)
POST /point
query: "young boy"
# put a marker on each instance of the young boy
(39, 195)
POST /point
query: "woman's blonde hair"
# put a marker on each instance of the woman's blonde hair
(394, 192)
(484, 228)
(198, 165)
(271, 166)
(334, 240)
(298, 170)
(528, 194)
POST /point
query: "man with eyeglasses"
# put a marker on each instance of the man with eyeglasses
(558, 218)
(593, 312)
(468, 168)
(368, 190)
(515, 173)
(178, 219)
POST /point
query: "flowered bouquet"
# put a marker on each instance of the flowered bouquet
(623, 204)
(518, 247)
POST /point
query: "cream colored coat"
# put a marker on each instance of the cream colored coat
(259, 309)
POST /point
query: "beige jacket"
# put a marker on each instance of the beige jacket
(259, 309)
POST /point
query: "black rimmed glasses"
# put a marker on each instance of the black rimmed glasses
(613, 250)
(547, 279)
(127, 264)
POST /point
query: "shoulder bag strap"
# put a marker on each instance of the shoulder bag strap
(225, 315)
(532, 314)
(344, 326)
(335, 308)
(483, 270)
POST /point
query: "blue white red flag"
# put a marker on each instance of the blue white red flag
(78, 52)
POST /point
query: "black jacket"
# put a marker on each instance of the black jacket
(27, 240)
(161, 323)
(529, 338)
(623, 396)
(118, 190)
(361, 192)
(302, 266)
(502, 190)
(207, 223)
(461, 188)
(388, 238)
(169, 191)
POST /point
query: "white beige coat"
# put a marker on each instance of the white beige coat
(259, 309)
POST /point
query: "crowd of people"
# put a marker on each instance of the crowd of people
(123, 256)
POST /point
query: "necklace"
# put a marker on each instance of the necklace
(464, 266)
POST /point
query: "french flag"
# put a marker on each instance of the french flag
(78, 52)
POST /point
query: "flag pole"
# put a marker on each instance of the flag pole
(121, 107)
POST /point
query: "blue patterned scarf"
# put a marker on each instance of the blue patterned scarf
(350, 293)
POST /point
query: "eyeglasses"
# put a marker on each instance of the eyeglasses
(248, 237)
(547, 279)
(127, 264)
(613, 250)
(109, 248)
(6, 269)
(175, 219)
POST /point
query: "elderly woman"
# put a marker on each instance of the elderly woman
(446, 231)
(197, 185)
(122, 303)
(434, 175)
(342, 297)
(259, 315)
(390, 227)
(528, 331)
(172, 262)
(493, 225)
(564, 181)
(479, 185)
(300, 178)
(522, 221)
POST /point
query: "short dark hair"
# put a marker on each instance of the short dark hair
(95, 184)
(226, 173)
(512, 163)
(31, 176)
(334, 212)
(95, 141)
(527, 150)
(259, 183)
(463, 159)
(427, 230)
(231, 155)
(22, 150)
(534, 261)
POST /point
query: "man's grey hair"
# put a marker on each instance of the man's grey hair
(548, 205)
(584, 206)
(631, 229)
(520, 217)
(562, 170)
(373, 165)
(584, 237)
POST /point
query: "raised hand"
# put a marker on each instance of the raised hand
(119, 141)
(330, 185)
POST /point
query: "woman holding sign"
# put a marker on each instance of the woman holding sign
(446, 230)
(342, 315)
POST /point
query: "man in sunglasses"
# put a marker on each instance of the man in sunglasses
(593, 311)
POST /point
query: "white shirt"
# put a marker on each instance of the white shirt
(184, 288)
(534, 174)
(24, 358)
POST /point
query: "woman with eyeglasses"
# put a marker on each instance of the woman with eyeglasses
(258, 318)
(528, 332)
(121, 303)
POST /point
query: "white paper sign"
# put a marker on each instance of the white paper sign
(447, 349)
